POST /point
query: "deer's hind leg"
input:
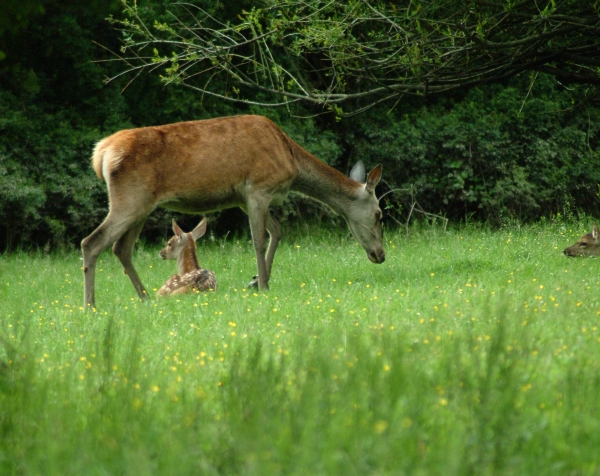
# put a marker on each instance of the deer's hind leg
(101, 238)
(123, 249)
(116, 225)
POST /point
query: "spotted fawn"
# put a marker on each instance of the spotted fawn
(191, 276)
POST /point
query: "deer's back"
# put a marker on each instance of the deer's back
(216, 162)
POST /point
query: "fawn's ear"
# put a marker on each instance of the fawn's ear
(596, 233)
(358, 172)
(373, 178)
(200, 229)
(178, 231)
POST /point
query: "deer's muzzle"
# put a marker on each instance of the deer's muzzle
(377, 256)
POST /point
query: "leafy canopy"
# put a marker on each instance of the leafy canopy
(361, 52)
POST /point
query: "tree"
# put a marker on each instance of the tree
(15, 15)
(362, 52)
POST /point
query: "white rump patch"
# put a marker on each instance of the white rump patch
(106, 158)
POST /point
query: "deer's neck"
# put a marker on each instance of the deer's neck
(324, 183)
(188, 259)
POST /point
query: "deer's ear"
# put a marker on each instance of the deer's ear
(373, 178)
(596, 233)
(358, 172)
(178, 231)
(200, 229)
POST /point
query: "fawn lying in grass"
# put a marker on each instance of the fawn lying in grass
(587, 245)
(191, 277)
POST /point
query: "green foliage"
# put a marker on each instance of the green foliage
(17, 14)
(53, 107)
(48, 192)
(493, 153)
(479, 355)
(325, 53)
(516, 151)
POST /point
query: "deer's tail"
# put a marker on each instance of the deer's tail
(106, 158)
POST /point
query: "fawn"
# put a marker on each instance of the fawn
(191, 277)
(587, 245)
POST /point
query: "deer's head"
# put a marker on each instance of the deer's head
(587, 245)
(364, 218)
(177, 244)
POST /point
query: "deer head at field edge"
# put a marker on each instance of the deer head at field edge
(587, 245)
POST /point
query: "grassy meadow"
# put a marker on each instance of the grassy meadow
(469, 351)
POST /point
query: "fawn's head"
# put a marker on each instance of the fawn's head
(180, 241)
(587, 245)
(364, 219)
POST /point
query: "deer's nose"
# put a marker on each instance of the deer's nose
(377, 256)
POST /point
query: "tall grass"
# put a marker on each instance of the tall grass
(467, 352)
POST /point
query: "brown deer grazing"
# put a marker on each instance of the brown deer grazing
(191, 277)
(587, 245)
(201, 166)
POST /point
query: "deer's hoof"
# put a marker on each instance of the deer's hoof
(253, 283)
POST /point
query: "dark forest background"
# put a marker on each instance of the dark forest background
(517, 150)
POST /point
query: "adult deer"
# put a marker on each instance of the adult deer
(201, 166)
(587, 245)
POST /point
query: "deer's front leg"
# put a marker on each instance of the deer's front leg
(274, 230)
(257, 213)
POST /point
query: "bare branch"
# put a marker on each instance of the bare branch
(361, 53)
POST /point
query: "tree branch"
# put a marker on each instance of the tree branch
(318, 51)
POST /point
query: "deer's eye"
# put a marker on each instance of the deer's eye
(583, 243)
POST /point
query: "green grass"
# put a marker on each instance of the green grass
(467, 352)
